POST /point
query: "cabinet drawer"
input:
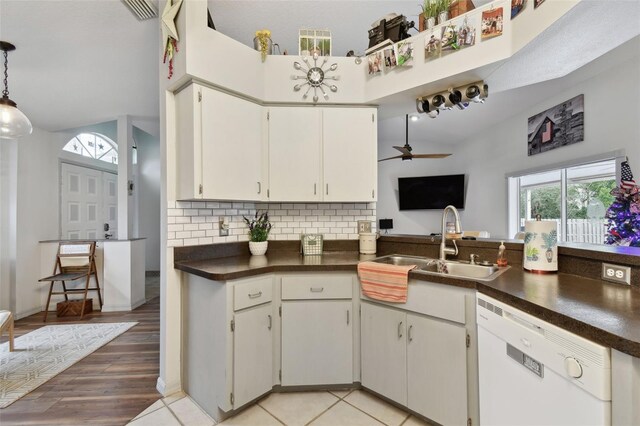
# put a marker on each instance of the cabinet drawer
(436, 300)
(252, 292)
(317, 287)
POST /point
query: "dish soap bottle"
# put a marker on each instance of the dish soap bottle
(502, 257)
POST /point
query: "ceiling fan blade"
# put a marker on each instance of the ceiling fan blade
(391, 158)
(430, 155)
(403, 149)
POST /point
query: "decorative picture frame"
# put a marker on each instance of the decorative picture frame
(559, 126)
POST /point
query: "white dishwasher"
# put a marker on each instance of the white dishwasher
(534, 373)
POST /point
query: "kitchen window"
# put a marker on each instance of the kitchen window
(576, 197)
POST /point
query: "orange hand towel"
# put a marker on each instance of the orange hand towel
(388, 283)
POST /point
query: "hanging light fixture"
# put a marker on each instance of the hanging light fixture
(13, 123)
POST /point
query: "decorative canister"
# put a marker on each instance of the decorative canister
(541, 246)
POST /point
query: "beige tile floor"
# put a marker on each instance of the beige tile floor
(335, 408)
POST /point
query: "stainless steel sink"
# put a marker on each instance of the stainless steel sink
(397, 259)
(450, 268)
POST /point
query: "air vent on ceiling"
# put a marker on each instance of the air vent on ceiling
(143, 9)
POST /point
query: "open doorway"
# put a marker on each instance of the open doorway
(89, 194)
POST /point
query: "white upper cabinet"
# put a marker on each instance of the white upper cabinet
(220, 146)
(349, 145)
(294, 154)
(322, 154)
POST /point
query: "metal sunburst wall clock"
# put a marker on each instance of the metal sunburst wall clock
(316, 77)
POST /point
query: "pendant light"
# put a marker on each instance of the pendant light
(13, 123)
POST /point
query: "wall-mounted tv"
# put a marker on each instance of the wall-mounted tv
(431, 192)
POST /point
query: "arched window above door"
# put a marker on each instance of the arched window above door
(93, 145)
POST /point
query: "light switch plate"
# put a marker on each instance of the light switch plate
(616, 273)
(364, 226)
(223, 227)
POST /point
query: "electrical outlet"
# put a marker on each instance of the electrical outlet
(364, 226)
(616, 273)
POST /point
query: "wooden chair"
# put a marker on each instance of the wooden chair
(6, 323)
(74, 261)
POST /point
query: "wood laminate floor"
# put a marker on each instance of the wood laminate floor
(109, 387)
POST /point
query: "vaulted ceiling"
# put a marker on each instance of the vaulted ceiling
(82, 62)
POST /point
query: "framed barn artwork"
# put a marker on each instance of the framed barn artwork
(556, 127)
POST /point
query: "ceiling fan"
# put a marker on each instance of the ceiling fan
(406, 149)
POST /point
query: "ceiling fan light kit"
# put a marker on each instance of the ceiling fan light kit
(13, 122)
(406, 150)
(459, 97)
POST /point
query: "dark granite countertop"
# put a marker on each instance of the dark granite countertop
(606, 313)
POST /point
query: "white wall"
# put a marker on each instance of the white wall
(612, 111)
(8, 171)
(148, 191)
(36, 214)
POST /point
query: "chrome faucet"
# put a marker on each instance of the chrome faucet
(444, 250)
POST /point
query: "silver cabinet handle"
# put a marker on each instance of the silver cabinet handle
(314, 189)
(270, 322)
(400, 329)
(409, 333)
(259, 188)
(327, 189)
(316, 289)
(255, 295)
(347, 317)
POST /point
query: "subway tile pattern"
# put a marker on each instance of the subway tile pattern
(197, 222)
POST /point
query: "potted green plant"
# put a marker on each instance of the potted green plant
(429, 13)
(443, 10)
(259, 228)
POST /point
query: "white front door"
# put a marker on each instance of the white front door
(85, 193)
(110, 204)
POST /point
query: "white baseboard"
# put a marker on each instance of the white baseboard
(160, 386)
(30, 312)
(122, 308)
(165, 389)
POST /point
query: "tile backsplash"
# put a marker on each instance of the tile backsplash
(197, 222)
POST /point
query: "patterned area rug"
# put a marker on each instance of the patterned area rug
(46, 352)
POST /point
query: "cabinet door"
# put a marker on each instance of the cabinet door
(231, 147)
(437, 369)
(317, 342)
(294, 154)
(350, 150)
(384, 351)
(252, 354)
(188, 149)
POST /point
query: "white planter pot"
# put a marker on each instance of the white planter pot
(443, 17)
(258, 248)
(430, 22)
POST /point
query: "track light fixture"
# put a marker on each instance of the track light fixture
(459, 97)
(13, 122)
(422, 106)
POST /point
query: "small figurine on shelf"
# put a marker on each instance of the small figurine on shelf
(502, 256)
(262, 42)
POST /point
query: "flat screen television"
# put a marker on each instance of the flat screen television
(431, 192)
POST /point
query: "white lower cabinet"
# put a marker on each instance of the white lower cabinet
(437, 369)
(252, 353)
(317, 329)
(317, 342)
(413, 356)
(243, 337)
(384, 351)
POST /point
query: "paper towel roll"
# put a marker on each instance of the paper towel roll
(541, 246)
